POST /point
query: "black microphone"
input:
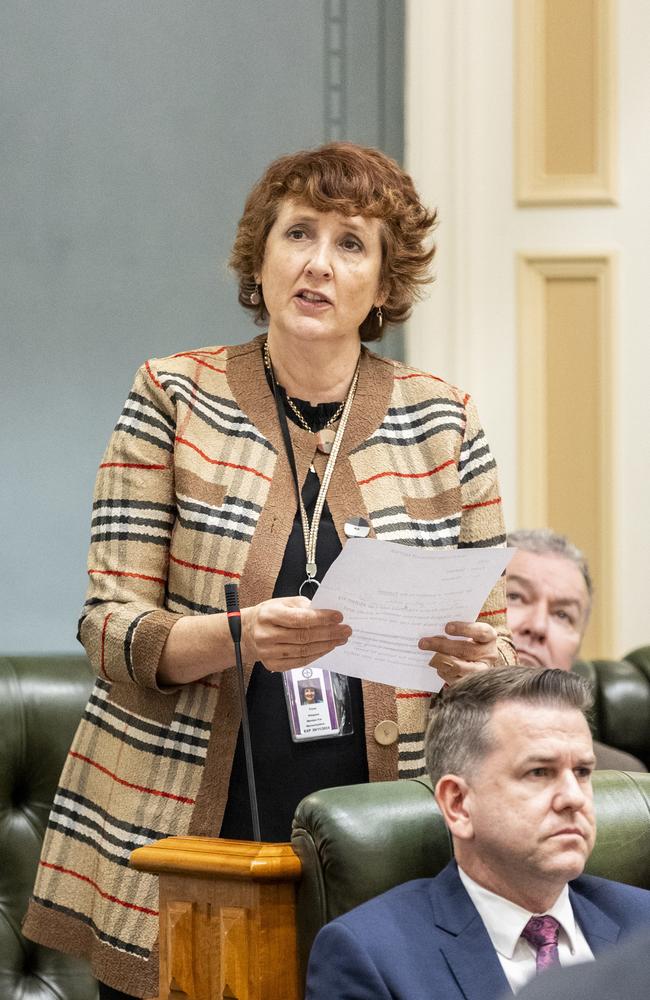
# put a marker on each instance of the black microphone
(234, 624)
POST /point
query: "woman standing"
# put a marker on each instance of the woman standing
(253, 464)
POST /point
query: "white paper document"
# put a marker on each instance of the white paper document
(393, 595)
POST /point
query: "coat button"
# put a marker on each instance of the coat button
(386, 732)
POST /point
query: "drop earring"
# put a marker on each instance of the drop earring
(255, 298)
(380, 317)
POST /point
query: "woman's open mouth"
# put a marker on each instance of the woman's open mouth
(312, 299)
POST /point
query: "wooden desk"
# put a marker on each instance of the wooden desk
(227, 918)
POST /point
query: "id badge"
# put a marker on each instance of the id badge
(318, 704)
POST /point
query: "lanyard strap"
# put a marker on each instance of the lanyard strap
(310, 531)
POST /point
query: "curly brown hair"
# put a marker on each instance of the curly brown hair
(353, 180)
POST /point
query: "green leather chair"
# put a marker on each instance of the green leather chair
(641, 657)
(41, 701)
(621, 716)
(356, 842)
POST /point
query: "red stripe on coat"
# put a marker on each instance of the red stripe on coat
(151, 375)
(483, 503)
(117, 572)
(199, 361)
(129, 784)
(104, 895)
(206, 569)
(216, 461)
(401, 378)
(191, 354)
(408, 475)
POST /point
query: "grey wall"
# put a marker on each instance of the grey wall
(130, 132)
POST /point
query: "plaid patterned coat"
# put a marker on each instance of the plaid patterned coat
(195, 490)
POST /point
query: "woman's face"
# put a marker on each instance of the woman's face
(320, 275)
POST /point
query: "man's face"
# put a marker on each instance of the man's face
(548, 607)
(531, 824)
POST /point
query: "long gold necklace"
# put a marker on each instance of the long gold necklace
(310, 531)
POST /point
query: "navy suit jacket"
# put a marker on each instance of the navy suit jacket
(425, 941)
(623, 972)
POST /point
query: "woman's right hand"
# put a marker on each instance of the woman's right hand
(287, 632)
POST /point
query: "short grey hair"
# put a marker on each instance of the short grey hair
(458, 736)
(543, 541)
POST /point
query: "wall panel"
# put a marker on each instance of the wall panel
(566, 388)
(565, 101)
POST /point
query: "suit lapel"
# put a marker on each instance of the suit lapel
(467, 949)
(599, 929)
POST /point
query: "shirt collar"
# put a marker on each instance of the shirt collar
(504, 920)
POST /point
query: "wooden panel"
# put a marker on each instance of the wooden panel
(566, 378)
(571, 40)
(235, 949)
(180, 948)
(228, 935)
(565, 101)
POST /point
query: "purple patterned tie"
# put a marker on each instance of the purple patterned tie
(542, 933)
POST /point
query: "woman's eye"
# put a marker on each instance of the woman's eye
(350, 243)
(296, 234)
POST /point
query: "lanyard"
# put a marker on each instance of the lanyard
(310, 531)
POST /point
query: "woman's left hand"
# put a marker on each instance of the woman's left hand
(479, 653)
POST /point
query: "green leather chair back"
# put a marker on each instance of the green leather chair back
(356, 842)
(621, 716)
(41, 702)
(640, 658)
(622, 850)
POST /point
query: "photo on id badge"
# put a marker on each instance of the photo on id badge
(311, 704)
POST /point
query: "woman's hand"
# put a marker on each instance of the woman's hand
(479, 653)
(287, 632)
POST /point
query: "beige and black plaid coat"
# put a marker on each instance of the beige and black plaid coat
(195, 490)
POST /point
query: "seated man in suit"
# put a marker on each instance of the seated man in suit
(510, 757)
(549, 592)
(623, 972)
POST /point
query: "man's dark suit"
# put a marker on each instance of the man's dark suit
(425, 941)
(623, 972)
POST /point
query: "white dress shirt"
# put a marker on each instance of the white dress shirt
(504, 922)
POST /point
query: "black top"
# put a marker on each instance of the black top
(286, 771)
